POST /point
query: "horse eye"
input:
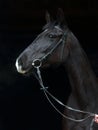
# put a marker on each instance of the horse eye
(52, 36)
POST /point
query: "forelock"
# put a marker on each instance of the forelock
(50, 25)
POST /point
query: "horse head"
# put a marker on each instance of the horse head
(49, 48)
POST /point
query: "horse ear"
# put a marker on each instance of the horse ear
(60, 17)
(47, 16)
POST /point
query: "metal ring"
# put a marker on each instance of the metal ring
(36, 63)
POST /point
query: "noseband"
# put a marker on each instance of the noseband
(37, 63)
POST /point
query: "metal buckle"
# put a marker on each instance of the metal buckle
(36, 63)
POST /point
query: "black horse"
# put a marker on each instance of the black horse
(57, 45)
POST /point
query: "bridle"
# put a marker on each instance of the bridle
(37, 63)
(61, 41)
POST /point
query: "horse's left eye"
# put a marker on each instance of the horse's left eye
(52, 36)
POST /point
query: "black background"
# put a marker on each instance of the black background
(23, 105)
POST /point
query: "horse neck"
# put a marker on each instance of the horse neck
(80, 73)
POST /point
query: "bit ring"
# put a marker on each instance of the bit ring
(36, 63)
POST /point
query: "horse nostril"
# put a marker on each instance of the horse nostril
(20, 62)
(20, 66)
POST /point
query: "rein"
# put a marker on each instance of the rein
(37, 63)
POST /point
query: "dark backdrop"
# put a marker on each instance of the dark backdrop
(23, 105)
